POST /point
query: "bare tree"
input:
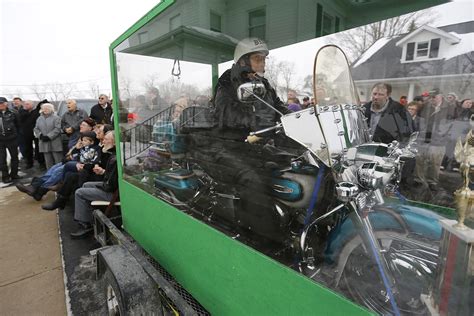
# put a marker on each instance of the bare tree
(280, 74)
(39, 91)
(125, 87)
(151, 81)
(287, 73)
(94, 90)
(356, 41)
(59, 91)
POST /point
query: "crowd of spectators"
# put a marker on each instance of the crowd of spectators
(440, 120)
(76, 153)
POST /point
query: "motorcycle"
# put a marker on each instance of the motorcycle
(336, 214)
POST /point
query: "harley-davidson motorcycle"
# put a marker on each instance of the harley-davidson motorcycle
(336, 211)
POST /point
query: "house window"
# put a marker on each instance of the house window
(257, 23)
(422, 50)
(142, 37)
(327, 24)
(216, 22)
(175, 22)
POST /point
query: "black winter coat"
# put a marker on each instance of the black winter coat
(394, 124)
(237, 119)
(110, 183)
(27, 120)
(9, 125)
(101, 115)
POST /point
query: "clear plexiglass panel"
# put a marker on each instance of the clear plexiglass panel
(340, 188)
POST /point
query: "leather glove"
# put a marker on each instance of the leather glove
(45, 138)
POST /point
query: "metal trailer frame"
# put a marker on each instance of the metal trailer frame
(118, 248)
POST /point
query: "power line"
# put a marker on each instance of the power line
(42, 84)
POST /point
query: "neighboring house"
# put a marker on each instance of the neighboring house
(419, 61)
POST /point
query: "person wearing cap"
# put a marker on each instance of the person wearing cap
(9, 125)
(452, 100)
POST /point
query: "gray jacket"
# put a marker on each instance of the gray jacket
(49, 126)
(73, 119)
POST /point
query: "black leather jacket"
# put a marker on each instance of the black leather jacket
(238, 119)
(8, 125)
(110, 183)
(101, 115)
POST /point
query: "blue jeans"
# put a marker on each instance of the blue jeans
(53, 175)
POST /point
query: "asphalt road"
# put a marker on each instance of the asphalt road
(85, 292)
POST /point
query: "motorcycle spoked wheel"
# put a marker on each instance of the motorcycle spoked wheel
(362, 282)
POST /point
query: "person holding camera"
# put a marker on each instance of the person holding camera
(48, 131)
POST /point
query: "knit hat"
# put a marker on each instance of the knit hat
(90, 122)
(90, 135)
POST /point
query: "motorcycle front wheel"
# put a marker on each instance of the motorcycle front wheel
(412, 265)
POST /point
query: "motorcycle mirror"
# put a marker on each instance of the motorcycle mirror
(249, 91)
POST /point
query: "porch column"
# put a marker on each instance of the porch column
(411, 92)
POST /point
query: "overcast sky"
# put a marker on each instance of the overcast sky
(62, 40)
(45, 41)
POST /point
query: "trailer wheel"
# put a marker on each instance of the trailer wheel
(127, 289)
(112, 295)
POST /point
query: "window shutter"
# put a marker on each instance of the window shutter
(410, 51)
(434, 47)
(319, 19)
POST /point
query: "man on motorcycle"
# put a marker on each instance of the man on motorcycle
(239, 163)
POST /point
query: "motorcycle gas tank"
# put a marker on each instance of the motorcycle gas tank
(294, 189)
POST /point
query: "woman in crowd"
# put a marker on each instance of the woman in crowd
(48, 131)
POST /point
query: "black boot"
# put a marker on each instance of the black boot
(84, 230)
(28, 189)
(60, 203)
(39, 193)
(6, 177)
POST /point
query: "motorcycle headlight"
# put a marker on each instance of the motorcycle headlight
(346, 191)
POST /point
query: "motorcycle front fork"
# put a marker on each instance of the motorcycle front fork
(360, 219)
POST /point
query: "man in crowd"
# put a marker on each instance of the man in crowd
(71, 120)
(434, 136)
(403, 100)
(8, 141)
(388, 120)
(412, 108)
(17, 103)
(101, 113)
(28, 116)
